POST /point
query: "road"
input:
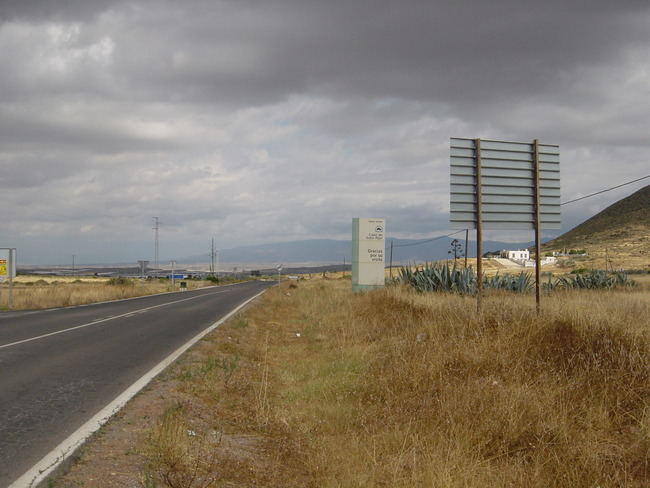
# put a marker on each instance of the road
(60, 367)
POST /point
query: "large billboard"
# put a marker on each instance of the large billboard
(368, 242)
(508, 175)
(504, 185)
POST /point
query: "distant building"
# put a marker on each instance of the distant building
(518, 255)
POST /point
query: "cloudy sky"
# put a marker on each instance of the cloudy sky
(275, 120)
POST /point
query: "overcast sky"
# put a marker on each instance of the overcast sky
(276, 120)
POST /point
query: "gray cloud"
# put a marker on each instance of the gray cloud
(267, 121)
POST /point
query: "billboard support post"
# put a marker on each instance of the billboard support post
(479, 227)
(538, 245)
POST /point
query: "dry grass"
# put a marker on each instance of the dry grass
(39, 293)
(59, 279)
(394, 388)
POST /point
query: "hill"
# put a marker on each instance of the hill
(621, 232)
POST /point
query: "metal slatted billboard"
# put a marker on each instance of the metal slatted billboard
(507, 182)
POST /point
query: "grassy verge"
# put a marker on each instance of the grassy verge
(39, 293)
(316, 386)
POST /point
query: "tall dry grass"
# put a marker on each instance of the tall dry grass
(39, 294)
(395, 388)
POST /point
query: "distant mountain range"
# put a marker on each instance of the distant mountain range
(327, 251)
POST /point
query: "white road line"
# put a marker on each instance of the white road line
(40, 471)
(96, 321)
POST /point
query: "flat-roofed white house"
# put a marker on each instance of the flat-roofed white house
(518, 255)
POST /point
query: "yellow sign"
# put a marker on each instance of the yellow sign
(3, 267)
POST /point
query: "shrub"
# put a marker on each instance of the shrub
(579, 271)
(119, 281)
(566, 263)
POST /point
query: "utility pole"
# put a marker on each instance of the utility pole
(213, 254)
(73, 256)
(173, 263)
(156, 227)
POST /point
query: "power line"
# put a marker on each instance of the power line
(428, 240)
(608, 189)
(564, 203)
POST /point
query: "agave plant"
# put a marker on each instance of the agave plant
(446, 278)
(595, 279)
(521, 283)
(440, 277)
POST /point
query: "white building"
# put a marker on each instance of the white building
(518, 255)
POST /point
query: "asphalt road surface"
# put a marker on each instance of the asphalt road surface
(51, 382)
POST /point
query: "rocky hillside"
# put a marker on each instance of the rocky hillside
(621, 231)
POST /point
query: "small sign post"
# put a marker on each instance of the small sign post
(279, 268)
(505, 185)
(368, 243)
(8, 270)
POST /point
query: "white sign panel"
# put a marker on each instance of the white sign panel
(368, 244)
